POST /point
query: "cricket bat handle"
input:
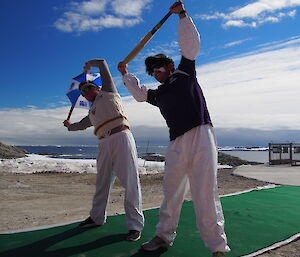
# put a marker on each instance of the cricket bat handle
(147, 38)
(138, 48)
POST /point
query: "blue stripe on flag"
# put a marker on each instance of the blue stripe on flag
(81, 77)
(98, 81)
(73, 96)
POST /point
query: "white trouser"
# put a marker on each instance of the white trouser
(118, 157)
(192, 158)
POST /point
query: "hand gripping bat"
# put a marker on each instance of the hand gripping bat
(148, 37)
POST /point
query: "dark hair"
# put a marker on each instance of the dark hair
(83, 83)
(157, 60)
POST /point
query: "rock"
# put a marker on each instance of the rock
(11, 152)
(153, 157)
(223, 159)
(49, 153)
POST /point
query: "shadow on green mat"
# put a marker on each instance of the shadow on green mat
(40, 247)
(142, 253)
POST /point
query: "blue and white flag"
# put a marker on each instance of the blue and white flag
(73, 93)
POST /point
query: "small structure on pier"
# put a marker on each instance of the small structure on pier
(284, 153)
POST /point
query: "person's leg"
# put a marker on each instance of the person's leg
(175, 186)
(204, 189)
(104, 181)
(125, 165)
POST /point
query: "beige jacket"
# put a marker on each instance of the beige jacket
(107, 112)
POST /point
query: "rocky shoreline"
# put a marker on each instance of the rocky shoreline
(11, 152)
(223, 159)
(226, 159)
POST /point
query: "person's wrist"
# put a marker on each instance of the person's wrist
(182, 14)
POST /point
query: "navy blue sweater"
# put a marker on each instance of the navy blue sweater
(180, 100)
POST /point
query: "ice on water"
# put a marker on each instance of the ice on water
(41, 164)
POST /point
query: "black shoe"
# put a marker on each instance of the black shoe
(133, 235)
(155, 244)
(218, 254)
(88, 223)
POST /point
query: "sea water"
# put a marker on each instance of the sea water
(253, 156)
(256, 154)
(84, 151)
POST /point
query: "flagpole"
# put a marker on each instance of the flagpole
(70, 112)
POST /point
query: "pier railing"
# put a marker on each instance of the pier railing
(284, 153)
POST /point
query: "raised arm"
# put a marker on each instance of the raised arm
(132, 83)
(107, 81)
(188, 35)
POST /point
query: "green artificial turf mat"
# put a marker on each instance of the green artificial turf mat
(253, 221)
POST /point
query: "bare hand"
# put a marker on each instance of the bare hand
(177, 7)
(67, 123)
(92, 63)
(122, 67)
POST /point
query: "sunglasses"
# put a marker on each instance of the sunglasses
(86, 89)
(161, 69)
(158, 66)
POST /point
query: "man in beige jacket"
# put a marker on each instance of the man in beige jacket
(117, 155)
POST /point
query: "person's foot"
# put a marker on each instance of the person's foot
(155, 244)
(133, 235)
(218, 254)
(88, 223)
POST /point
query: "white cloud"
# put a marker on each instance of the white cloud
(109, 21)
(92, 7)
(238, 42)
(216, 15)
(239, 23)
(256, 91)
(259, 7)
(256, 13)
(129, 7)
(142, 114)
(32, 124)
(290, 42)
(291, 13)
(45, 126)
(95, 15)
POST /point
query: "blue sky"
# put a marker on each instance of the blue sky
(248, 65)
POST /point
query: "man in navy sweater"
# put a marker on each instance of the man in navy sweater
(191, 158)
